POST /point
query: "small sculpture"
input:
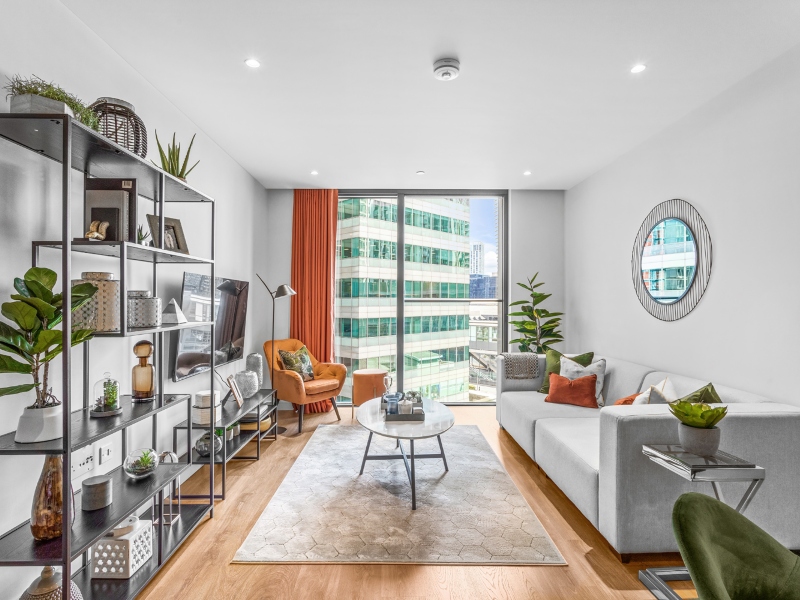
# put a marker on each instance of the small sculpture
(97, 231)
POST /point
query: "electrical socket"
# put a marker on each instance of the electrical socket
(82, 461)
(105, 454)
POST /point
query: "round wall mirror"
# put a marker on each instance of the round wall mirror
(671, 260)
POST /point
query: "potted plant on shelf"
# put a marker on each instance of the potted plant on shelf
(35, 95)
(36, 310)
(539, 327)
(698, 432)
(140, 463)
(171, 158)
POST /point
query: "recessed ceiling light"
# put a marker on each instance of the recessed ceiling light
(252, 63)
(638, 68)
(527, 173)
(420, 172)
(314, 172)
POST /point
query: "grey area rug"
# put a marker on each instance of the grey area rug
(324, 512)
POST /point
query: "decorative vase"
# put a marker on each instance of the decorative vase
(143, 376)
(143, 309)
(48, 587)
(120, 123)
(203, 445)
(703, 442)
(247, 382)
(255, 363)
(101, 313)
(48, 501)
(39, 425)
(140, 463)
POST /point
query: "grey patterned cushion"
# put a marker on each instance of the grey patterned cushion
(299, 362)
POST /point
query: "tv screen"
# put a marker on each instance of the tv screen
(193, 354)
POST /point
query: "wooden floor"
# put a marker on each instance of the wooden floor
(202, 569)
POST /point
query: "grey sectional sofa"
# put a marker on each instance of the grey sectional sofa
(595, 455)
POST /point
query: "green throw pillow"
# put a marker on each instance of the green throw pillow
(299, 362)
(553, 365)
(706, 394)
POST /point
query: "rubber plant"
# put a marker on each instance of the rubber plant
(171, 158)
(538, 327)
(698, 414)
(36, 311)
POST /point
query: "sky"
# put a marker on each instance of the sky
(483, 228)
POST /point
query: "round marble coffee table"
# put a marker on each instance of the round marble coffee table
(438, 419)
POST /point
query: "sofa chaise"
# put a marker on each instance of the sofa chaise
(595, 455)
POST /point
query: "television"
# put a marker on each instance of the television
(193, 353)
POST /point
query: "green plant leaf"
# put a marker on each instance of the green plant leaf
(16, 389)
(40, 291)
(9, 365)
(22, 314)
(44, 310)
(45, 339)
(19, 285)
(46, 277)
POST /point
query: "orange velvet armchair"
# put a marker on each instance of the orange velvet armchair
(327, 383)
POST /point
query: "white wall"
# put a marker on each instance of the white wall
(536, 245)
(736, 160)
(65, 51)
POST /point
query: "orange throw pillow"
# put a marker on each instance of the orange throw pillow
(626, 400)
(580, 392)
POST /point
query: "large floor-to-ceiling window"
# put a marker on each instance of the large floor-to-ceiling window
(419, 290)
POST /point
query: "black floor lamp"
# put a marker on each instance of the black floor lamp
(280, 292)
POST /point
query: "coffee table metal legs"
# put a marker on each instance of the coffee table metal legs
(408, 460)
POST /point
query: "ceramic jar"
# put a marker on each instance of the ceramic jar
(101, 313)
(143, 309)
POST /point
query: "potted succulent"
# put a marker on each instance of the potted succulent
(698, 432)
(171, 158)
(140, 463)
(35, 95)
(35, 311)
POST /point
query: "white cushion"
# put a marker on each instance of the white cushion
(661, 393)
(572, 370)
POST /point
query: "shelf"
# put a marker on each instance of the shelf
(132, 251)
(232, 413)
(132, 331)
(86, 430)
(94, 154)
(119, 589)
(18, 547)
(231, 448)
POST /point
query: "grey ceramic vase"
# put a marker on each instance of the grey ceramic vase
(247, 381)
(703, 442)
(255, 363)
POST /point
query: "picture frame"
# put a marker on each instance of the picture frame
(174, 239)
(237, 395)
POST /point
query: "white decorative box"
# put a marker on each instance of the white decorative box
(202, 399)
(101, 313)
(202, 416)
(143, 309)
(120, 557)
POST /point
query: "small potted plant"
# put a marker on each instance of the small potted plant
(106, 393)
(171, 158)
(237, 428)
(33, 344)
(229, 433)
(140, 463)
(142, 235)
(698, 432)
(35, 95)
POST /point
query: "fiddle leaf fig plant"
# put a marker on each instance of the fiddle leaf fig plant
(36, 311)
(697, 414)
(538, 327)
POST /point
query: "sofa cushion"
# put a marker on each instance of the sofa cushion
(569, 452)
(686, 385)
(578, 392)
(521, 410)
(553, 365)
(623, 378)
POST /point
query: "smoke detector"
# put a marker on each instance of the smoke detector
(446, 69)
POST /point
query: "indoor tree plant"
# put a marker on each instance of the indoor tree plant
(538, 327)
(698, 432)
(36, 311)
(36, 86)
(171, 158)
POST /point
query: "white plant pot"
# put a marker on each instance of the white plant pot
(703, 442)
(39, 425)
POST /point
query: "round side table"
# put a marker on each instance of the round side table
(367, 384)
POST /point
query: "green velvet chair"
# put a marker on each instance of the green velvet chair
(728, 556)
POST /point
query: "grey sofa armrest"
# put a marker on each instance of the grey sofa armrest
(515, 385)
(636, 496)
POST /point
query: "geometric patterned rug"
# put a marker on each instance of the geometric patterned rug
(324, 512)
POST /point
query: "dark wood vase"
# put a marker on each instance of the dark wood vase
(48, 502)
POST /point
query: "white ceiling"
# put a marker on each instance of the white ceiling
(346, 86)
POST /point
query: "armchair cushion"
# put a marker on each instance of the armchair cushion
(318, 386)
(299, 362)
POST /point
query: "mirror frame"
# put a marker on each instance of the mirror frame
(682, 210)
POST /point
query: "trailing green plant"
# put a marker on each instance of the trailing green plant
(36, 310)
(141, 234)
(698, 414)
(538, 327)
(19, 86)
(171, 158)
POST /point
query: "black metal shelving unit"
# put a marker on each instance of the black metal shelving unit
(76, 147)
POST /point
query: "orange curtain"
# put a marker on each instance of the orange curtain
(313, 263)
